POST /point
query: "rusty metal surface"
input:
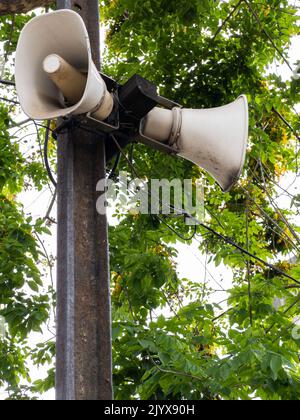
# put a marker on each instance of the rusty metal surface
(83, 294)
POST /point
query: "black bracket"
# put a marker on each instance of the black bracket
(132, 102)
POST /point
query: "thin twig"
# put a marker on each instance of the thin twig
(285, 313)
(10, 101)
(286, 123)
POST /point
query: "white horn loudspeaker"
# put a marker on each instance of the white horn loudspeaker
(214, 139)
(56, 77)
(55, 74)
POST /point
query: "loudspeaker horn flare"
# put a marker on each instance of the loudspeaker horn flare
(214, 139)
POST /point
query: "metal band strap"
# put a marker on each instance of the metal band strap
(176, 127)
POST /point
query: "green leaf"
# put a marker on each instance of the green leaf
(276, 365)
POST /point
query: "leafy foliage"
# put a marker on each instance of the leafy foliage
(24, 302)
(194, 352)
(170, 337)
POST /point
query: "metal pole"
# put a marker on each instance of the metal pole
(84, 359)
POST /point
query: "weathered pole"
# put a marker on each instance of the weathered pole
(83, 362)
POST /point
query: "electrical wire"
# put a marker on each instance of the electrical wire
(47, 127)
(7, 82)
(264, 214)
(225, 239)
(112, 174)
(21, 125)
(284, 190)
(209, 273)
(260, 24)
(209, 229)
(42, 154)
(10, 101)
(190, 238)
(267, 217)
(124, 155)
(276, 208)
(231, 242)
(231, 14)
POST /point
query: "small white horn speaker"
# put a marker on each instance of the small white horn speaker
(55, 74)
(214, 139)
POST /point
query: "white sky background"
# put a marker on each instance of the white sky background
(191, 264)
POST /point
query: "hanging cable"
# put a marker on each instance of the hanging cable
(264, 214)
(124, 155)
(286, 123)
(267, 217)
(278, 210)
(187, 239)
(231, 14)
(249, 254)
(225, 239)
(190, 238)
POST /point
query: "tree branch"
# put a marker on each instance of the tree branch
(227, 19)
(9, 7)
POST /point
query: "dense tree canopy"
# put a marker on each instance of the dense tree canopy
(171, 338)
(21, 6)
